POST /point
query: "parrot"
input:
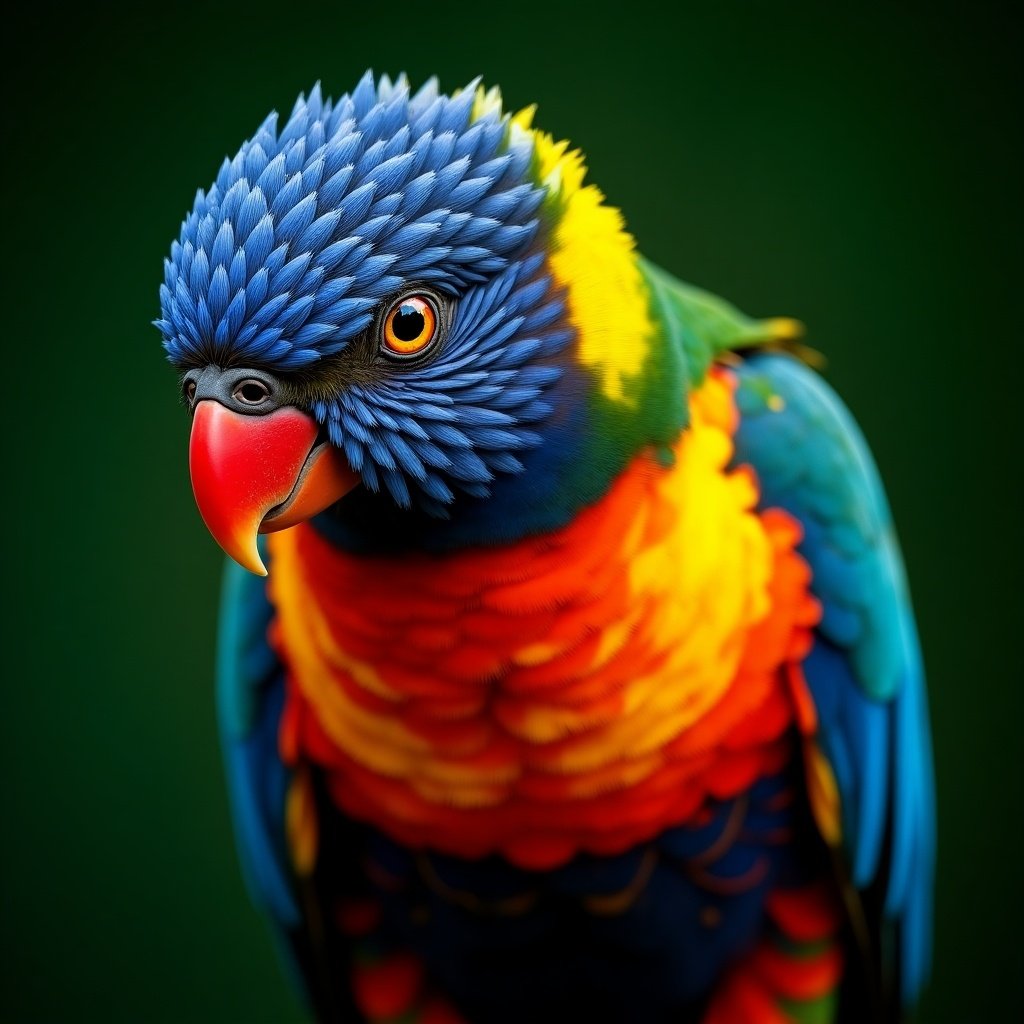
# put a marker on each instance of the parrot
(566, 666)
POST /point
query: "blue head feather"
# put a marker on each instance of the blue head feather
(307, 231)
(457, 421)
(308, 228)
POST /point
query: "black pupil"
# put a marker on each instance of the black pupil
(408, 323)
(253, 392)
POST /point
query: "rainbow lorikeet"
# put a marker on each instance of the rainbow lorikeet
(584, 683)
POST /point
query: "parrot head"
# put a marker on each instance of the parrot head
(412, 300)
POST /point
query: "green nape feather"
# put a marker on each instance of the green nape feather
(707, 328)
(693, 329)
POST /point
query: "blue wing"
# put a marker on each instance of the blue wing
(250, 701)
(250, 698)
(864, 671)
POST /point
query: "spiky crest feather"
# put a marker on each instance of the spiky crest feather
(308, 230)
(309, 227)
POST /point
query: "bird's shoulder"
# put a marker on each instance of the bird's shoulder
(706, 329)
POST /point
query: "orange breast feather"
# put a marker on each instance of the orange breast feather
(582, 690)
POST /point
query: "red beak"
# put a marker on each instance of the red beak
(256, 474)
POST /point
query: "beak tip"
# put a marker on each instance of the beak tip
(241, 545)
(249, 559)
(244, 466)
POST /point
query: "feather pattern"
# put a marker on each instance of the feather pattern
(310, 225)
(865, 671)
(475, 403)
(610, 660)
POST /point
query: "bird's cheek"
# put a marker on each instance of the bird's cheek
(253, 474)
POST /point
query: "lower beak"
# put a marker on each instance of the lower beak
(256, 474)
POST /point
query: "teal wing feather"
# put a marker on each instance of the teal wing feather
(250, 699)
(250, 702)
(250, 695)
(864, 672)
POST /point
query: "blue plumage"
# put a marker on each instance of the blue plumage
(865, 670)
(307, 228)
(250, 696)
(289, 265)
(541, 945)
(477, 404)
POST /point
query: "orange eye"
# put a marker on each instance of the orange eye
(410, 326)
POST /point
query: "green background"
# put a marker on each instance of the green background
(856, 169)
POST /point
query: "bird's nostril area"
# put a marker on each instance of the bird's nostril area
(251, 392)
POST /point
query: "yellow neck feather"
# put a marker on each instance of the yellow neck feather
(593, 258)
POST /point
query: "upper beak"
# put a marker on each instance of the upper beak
(255, 474)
